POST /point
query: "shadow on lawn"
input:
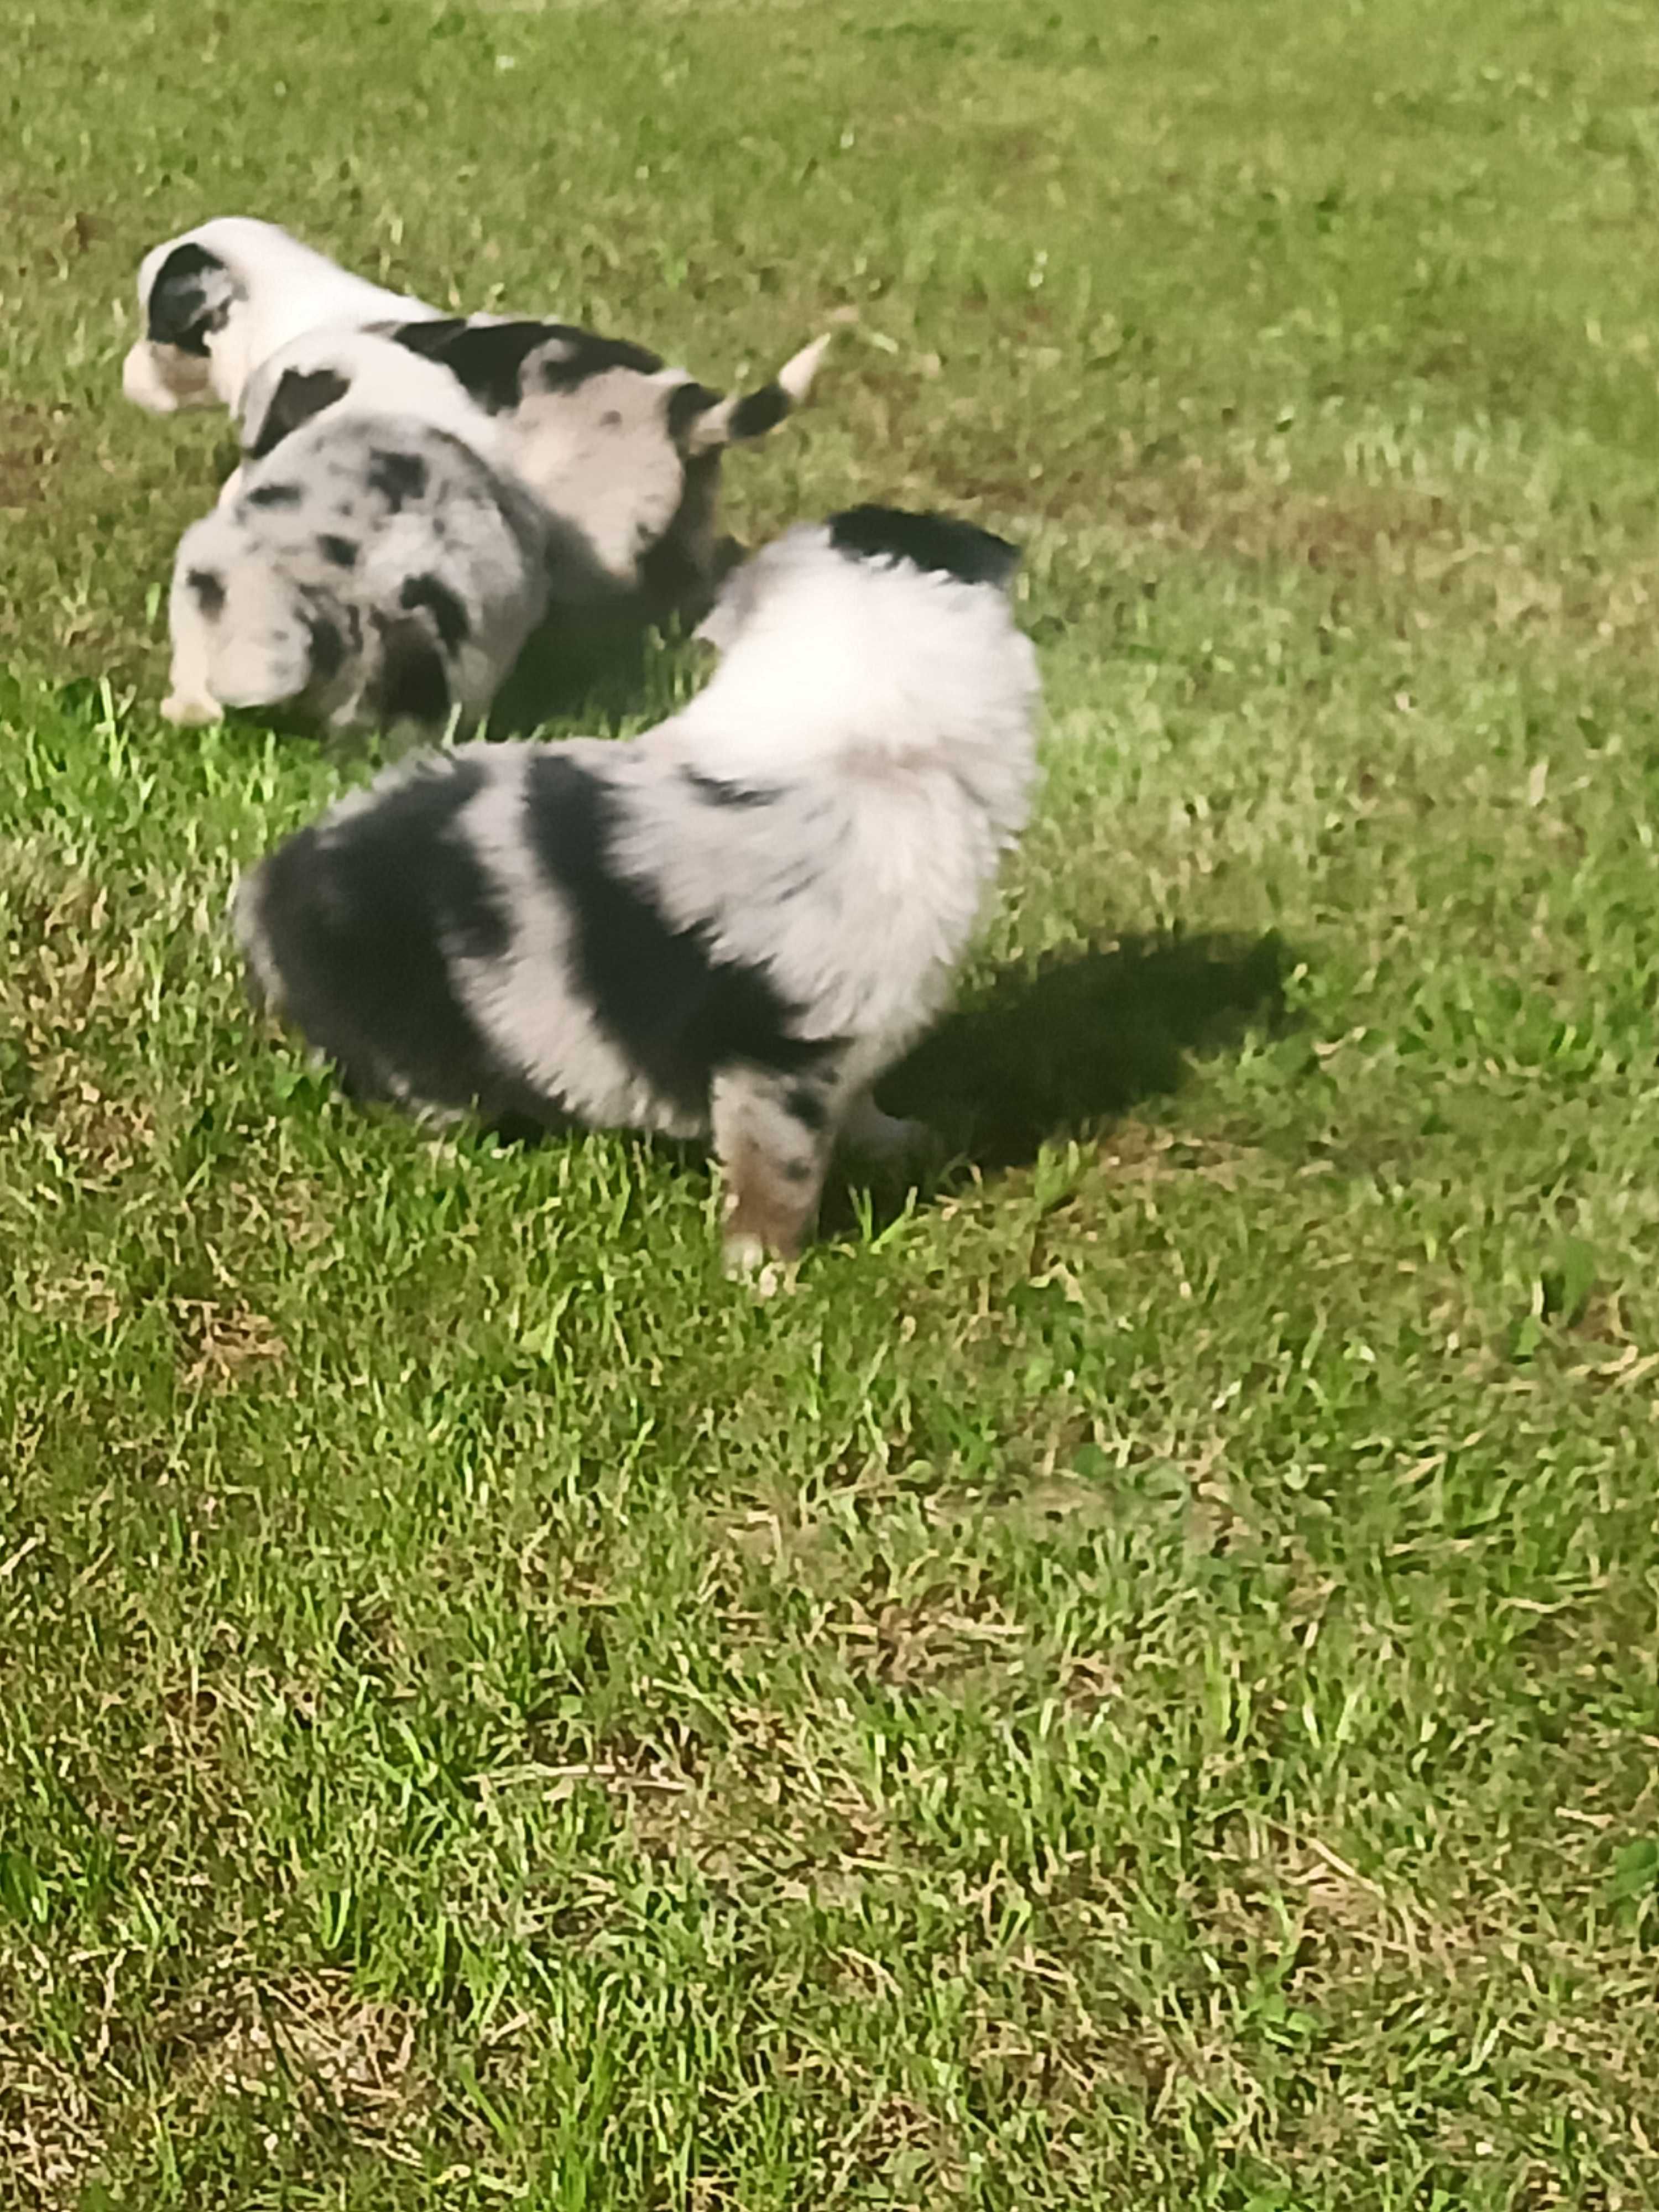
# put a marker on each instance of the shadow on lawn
(1047, 1050)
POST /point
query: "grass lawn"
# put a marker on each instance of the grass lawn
(1137, 1686)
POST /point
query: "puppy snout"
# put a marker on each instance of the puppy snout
(142, 383)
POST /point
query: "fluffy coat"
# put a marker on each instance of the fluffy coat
(370, 569)
(728, 926)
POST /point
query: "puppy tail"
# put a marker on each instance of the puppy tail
(748, 415)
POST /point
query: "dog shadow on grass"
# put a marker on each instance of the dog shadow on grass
(1049, 1050)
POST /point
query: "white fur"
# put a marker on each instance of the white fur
(797, 859)
(890, 707)
(382, 379)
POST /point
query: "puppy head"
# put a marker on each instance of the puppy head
(187, 295)
(879, 633)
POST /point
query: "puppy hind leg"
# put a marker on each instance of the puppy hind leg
(773, 1135)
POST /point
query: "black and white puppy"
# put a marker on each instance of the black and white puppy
(611, 439)
(728, 926)
(223, 298)
(370, 567)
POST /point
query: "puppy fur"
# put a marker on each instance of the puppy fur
(371, 570)
(219, 299)
(623, 448)
(727, 927)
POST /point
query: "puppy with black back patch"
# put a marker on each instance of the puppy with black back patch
(608, 437)
(221, 299)
(728, 926)
(369, 569)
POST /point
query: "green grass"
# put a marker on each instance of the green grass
(1137, 1686)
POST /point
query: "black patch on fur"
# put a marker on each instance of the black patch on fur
(357, 920)
(757, 412)
(934, 542)
(277, 494)
(397, 477)
(685, 403)
(584, 353)
(677, 1013)
(414, 684)
(713, 793)
(428, 337)
(806, 1106)
(189, 300)
(441, 603)
(341, 552)
(208, 590)
(299, 394)
(491, 360)
(488, 359)
(328, 645)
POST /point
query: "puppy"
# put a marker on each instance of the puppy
(222, 298)
(604, 433)
(730, 925)
(370, 569)
(623, 448)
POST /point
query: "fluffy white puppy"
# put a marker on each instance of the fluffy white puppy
(728, 926)
(221, 299)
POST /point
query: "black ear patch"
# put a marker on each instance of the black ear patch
(935, 541)
(189, 299)
(448, 614)
(299, 394)
(413, 686)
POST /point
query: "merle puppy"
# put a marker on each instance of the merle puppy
(370, 568)
(605, 434)
(223, 298)
(729, 926)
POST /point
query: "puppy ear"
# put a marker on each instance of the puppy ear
(938, 544)
(299, 394)
(191, 298)
(700, 422)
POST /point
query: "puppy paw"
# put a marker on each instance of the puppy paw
(746, 1261)
(188, 713)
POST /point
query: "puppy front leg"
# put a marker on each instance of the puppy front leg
(772, 1137)
(189, 701)
(865, 1128)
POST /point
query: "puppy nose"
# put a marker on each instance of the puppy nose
(141, 383)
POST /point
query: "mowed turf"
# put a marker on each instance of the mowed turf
(1134, 1684)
